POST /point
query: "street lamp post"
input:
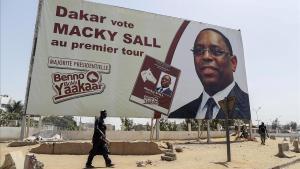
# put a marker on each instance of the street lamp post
(257, 115)
(277, 124)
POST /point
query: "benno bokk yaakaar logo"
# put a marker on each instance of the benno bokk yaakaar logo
(72, 85)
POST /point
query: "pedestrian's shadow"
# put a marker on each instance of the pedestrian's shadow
(225, 164)
(212, 142)
(97, 167)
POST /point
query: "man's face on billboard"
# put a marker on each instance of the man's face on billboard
(213, 62)
(165, 81)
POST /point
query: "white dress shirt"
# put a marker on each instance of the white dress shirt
(217, 97)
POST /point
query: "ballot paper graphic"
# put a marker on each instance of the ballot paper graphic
(149, 90)
(148, 75)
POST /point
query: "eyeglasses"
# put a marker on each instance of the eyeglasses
(215, 51)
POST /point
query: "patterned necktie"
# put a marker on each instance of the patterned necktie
(160, 90)
(210, 106)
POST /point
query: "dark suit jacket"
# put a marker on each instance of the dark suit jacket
(99, 145)
(168, 91)
(241, 108)
(99, 124)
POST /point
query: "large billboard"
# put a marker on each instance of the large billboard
(91, 56)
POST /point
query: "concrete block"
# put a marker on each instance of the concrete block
(134, 148)
(45, 148)
(13, 160)
(292, 139)
(21, 143)
(282, 147)
(63, 148)
(296, 146)
(285, 146)
(116, 148)
(32, 163)
(72, 148)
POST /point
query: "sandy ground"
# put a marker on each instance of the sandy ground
(195, 155)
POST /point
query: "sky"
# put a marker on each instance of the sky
(270, 32)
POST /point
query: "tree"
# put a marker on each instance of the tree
(3, 121)
(127, 124)
(214, 123)
(15, 107)
(64, 122)
(172, 126)
(194, 124)
(275, 124)
(287, 126)
(166, 125)
(163, 124)
(293, 125)
(13, 112)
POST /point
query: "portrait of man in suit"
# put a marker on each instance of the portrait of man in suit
(165, 85)
(215, 64)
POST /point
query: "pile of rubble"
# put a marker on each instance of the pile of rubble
(143, 163)
(169, 154)
(36, 139)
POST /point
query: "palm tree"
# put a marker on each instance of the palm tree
(14, 110)
(15, 107)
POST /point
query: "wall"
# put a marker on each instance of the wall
(13, 133)
(139, 135)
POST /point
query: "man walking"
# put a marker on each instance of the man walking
(100, 143)
(262, 130)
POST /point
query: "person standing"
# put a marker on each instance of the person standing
(244, 132)
(262, 130)
(100, 143)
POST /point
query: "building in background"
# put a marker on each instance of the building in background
(90, 126)
(141, 127)
(110, 127)
(4, 101)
